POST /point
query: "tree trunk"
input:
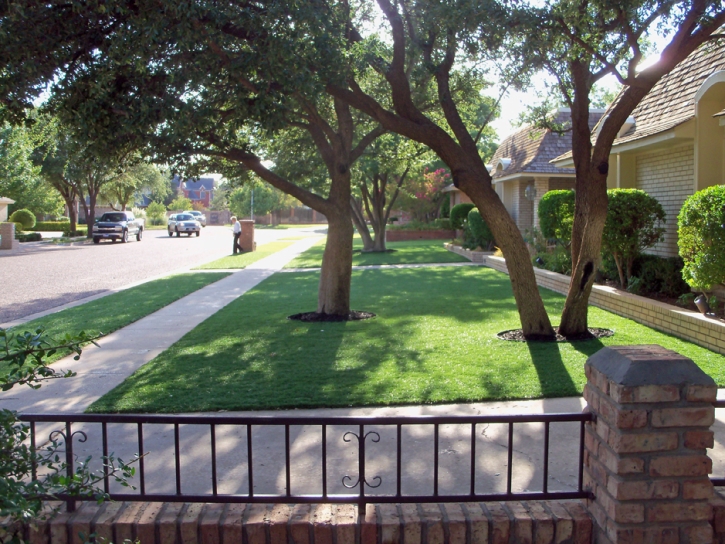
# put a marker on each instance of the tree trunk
(73, 213)
(535, 321)
(335, 276)
(359, 219)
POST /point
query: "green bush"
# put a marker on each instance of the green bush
(74, 233)
(414, 224)
(29, 237)
(658, 275)
(25, 217)
(459, 214)
(52, 226)
(558, 260)
(477, 233)
(556, 215)
(180, 203)
(444, 223)
(18, 227)
(156, 213)
(702, 238)
(445, 212)
(633, 224)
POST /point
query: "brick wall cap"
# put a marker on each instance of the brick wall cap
(651, 364)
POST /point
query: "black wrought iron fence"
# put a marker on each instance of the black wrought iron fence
(334, 457)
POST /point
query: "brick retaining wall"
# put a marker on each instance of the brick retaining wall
(685, 324)
(563, 522)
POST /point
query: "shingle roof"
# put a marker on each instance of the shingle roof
(671, 101)
(195, 184)
(530, 149)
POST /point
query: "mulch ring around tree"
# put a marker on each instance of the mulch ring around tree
(517, 335)
(314, 317)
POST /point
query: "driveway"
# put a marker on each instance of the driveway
(39, 277)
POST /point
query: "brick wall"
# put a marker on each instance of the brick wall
(669, 177)
(466, 523)
(684, 324)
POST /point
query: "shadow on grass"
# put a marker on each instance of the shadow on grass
(553, 374)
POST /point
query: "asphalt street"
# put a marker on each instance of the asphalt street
(39, 276)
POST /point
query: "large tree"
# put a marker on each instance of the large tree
(580, 42)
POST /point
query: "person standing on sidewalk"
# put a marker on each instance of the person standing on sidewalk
(237, 231)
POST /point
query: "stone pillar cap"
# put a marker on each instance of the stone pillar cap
(647, 365)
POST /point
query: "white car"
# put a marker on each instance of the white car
(200, 217)
(183, 222)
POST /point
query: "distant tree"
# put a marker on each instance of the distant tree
(179, 204)
(423, 195)
(267, 199)
(135, 178)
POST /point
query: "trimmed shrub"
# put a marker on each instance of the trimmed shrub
(52, 226)
(658, 275)
(445, 211)
(459, 214)
(73, 233)
(634, 221)
(477, 232)
(556, 215)
(25, 217)
(558, 260)
(18, 227)
(702, 238)
(444, 223)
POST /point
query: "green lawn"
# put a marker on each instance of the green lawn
(243, 260)
(433, 341)
(415, 252)
(110, 313)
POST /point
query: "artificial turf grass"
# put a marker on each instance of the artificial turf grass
(243, 260)
(112, 312)
(412, 252)
(433, 341)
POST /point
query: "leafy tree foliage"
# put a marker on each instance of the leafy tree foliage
(702, 238)
(180, 203)
(156, 213)
(634, 223)
(134, 179)
(267, 199)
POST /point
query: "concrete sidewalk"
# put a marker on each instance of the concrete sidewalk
(121, 353)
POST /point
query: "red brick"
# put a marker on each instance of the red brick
(167, 523)
(563, 523)
(345, 516)
(126, 520)
(389, 523)
(146, 524)
(620, 418)
(59, 528)
(718, 513)
(299, 523)
(621, 512)
(39, 532)
(582, 522)
(592, 397)
(433, 519)
(456, 523)
(255, 519)
(500, 523)
(643, 442)
(643, 535)
(596, 471)
(369, 529)
(699, 534)
(322, 524)
(543, 523)
(277, 521)
(411, 523)
(701, 393)
(699, 440)
(626, 490)
(210, 525)
(644, 393)
(79, 526)
(620, 465)
(691, 465)
(478, 523)
(523, 528)
(103, 524)
(697, 489)
(602, 430)
(678, 511)
(701, 416)
(591, 441)
(231, 527)
(189, 524)
(598, 379)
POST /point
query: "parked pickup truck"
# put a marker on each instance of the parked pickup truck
(117, 226)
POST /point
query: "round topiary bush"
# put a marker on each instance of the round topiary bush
(634, 223)
(24, 217)
(556, 215)
(477, 232)
(459, 214)
(702, 238)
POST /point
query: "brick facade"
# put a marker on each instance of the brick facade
(668, 176)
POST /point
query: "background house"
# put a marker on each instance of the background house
(199, 191)
(674, 143)
(522, 170)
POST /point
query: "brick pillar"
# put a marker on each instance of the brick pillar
(246, 239)
(645, 455)
(7, 233)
